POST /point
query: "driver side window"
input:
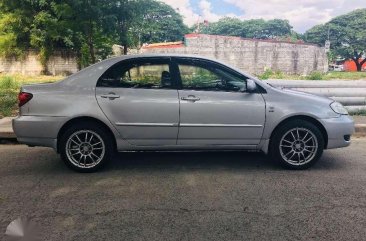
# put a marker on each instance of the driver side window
(195, 77)
(207, 76)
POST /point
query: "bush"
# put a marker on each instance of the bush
(266, 75)
(315, 76)
(279, 75)
(8, 101)
(9, 89)
(359, 112)
(7, 82)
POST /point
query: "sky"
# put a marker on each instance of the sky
(302, 14)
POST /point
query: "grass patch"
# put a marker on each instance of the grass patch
(269, 74)
(359, 113)
(9, 89)
(315, 76)
(345, 76)
(8, 102)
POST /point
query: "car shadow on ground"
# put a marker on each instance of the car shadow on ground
(48, 162)
(230, 160)
(173, 161)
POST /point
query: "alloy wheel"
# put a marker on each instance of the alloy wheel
(298, 146)
(85, 149)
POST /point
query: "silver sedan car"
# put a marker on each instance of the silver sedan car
(176, 102)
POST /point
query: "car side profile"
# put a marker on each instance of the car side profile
(176, 102)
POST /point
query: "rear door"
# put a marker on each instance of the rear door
(215, 108)
(140, 98)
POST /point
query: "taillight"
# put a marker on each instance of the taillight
(23, 98)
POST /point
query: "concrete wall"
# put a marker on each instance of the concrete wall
(61, 63)
(253, 56)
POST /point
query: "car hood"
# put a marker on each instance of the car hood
(309, 97)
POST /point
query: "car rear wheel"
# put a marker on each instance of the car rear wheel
(85, 147)
(297, 144)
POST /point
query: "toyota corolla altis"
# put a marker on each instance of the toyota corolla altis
(176, 102)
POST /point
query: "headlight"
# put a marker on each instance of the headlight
(338, 108)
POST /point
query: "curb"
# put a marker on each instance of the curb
(7, 135)
(360, 130)
(6, 130)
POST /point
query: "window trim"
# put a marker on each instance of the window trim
(138, 60)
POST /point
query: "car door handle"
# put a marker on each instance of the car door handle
(191, 98)
(110, 96)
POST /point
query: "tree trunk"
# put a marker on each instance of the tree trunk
(123, 37)
(358, 64)
(356, 59)
(91, 42)
(91, 52)
(362, 63)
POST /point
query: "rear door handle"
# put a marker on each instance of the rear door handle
(191, 98)
(110, 96)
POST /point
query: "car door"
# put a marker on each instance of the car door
(140, 98)
(215, 108)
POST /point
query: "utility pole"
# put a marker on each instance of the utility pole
(327, 42)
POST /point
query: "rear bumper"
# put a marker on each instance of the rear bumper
(338, 130)
(38, 130)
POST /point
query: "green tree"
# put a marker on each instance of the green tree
(51, 29)
(88, 28)
(93, 40)
(254, 28)
(136, 21)
(120, 16)
(159, 23)
(347, 34)
(38, 24)
(12, 32)
(225, 26)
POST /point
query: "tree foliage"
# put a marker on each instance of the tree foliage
(88, 28)
(347, 34)
(255, 28)
(160, 23)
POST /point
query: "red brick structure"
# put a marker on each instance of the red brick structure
(350, 66)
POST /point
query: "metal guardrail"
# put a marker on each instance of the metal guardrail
(352, 94)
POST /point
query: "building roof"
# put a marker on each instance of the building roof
(179, 44)
(164, 45)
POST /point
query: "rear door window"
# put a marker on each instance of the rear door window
(145, 73)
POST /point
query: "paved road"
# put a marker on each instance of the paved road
(187, 196)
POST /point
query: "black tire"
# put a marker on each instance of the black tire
(100, 135)
(297, 147)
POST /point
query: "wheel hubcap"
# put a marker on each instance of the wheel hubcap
(298, 146)
(85, 149)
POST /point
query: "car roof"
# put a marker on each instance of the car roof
(89, 75)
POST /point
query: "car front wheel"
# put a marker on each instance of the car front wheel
(85, 148)
(297, 145)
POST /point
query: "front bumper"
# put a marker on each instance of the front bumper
(339, 130)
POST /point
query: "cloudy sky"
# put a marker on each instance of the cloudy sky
(302, 14)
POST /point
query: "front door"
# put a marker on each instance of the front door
(215, 108)
(140, 98)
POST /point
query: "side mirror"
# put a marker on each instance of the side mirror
(251, 86)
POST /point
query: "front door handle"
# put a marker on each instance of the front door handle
(191, 98)
(110, 96)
